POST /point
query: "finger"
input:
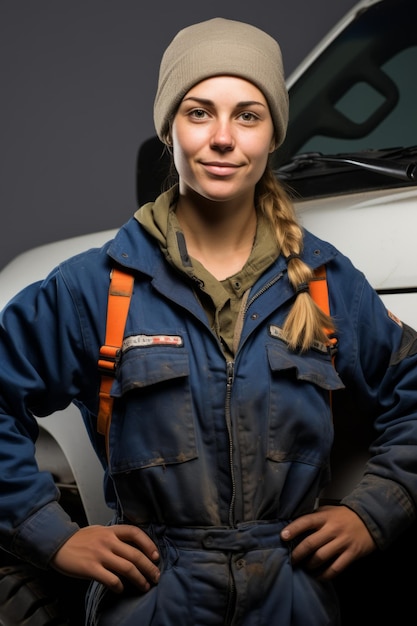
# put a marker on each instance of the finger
(142, 573)
(300, 526)
(139, 538)
(309, 546)
(330, 569)
(317, 554)
(106, 577)
(133, 564)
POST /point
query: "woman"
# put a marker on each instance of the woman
(221, 430)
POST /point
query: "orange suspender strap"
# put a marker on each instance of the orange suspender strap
(318, 289)
(319, 292)
(120, 292)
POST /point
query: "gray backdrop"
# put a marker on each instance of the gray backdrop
(78, 79)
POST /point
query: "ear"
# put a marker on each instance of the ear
(168, 135)
(272, 145)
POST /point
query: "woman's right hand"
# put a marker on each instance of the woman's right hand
(109, 554)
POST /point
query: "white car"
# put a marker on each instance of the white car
(350, 160)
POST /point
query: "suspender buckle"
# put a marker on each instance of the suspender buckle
(109, 359)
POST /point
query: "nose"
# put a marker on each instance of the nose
(222, 138)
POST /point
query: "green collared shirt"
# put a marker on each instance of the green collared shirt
(224, 301)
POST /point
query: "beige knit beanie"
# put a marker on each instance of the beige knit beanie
(221, 47)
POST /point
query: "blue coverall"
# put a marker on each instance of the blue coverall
(211, 458)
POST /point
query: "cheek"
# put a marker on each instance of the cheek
(181, 150)
(186, 148)
(257, 147)
(180, 157)
(260, 158)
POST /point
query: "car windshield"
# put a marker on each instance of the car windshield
(359, 97)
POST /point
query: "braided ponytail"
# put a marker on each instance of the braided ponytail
(305, 322)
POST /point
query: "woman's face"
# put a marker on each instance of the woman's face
(222, 134)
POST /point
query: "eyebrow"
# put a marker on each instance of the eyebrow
(244, 103)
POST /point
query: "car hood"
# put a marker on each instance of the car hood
(373, 228)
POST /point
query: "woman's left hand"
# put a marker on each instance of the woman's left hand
(335, 536)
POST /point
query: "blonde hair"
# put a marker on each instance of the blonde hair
(306, 322)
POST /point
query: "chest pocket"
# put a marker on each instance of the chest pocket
(153, 424)
(300, 417)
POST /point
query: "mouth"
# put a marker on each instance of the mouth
(220, 168)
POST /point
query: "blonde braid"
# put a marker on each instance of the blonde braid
(305, 322)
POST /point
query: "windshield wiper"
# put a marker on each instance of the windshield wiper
(382, 162)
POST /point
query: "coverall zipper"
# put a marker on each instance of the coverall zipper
(230, 373)
(230, 369)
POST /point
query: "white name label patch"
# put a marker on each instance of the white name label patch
(144, 341)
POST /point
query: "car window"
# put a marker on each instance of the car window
(362, 101)
(359, 97)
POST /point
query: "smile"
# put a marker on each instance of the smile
(220, 168)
